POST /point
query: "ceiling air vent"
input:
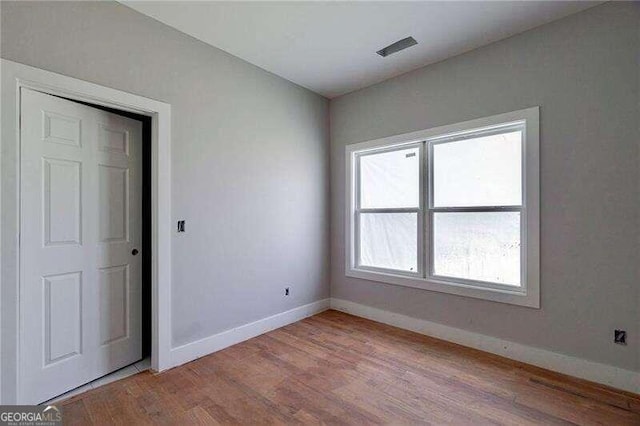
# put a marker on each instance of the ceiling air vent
(397, 46)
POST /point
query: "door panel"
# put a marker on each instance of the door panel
(62, 183)
(63, 316)
(114, 139)
(113, 203)
(114, 303)
(80, 284)
(61, 129)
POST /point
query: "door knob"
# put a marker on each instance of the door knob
(134, 252)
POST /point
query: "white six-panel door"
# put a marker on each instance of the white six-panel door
(80, 222)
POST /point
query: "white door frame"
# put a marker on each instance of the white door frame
(22, 76)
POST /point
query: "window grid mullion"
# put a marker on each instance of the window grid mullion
(476, 209)
(390, 210)
(425, 192)
(429, 210)
(420, 244)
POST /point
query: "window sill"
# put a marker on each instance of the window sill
(517, 296)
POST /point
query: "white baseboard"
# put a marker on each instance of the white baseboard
(600, 373)
(202, 347)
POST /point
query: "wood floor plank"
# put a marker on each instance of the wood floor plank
(334, 368)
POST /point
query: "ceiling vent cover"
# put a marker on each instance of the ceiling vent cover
(397, 46)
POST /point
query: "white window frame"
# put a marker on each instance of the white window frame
(418, 210)
(528, 293)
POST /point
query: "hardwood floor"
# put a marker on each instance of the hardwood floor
(340, 369)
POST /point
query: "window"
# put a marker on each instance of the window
(453, 209)
(390, 209)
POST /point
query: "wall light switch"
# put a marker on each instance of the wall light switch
(620, 337)
(181, 226)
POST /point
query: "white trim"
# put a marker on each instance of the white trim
(566, 364)
(160, 113)
(526, 295)
(208, 345)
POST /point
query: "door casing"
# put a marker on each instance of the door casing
(22, 76)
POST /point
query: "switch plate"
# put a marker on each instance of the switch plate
(620, 337)
(181, 226)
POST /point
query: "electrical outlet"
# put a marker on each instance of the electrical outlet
(620, 337)
(286, 291)
(181, 226)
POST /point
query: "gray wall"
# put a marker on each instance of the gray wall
(583, 73)
(249, 161)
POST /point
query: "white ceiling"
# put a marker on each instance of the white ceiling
(330, 47)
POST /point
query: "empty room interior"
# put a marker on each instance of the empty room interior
(311, 212)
